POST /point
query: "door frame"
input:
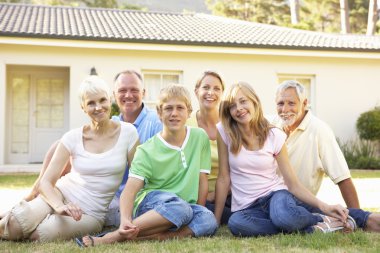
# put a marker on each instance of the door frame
(31, 71)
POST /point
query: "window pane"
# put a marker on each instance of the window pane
(57, 91)
(50, 99)
(152, 84)
(169, 79)
(20, 115)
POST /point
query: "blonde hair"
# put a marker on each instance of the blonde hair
(259, 124)
(174, 91)
(93, 84)
(209, 73)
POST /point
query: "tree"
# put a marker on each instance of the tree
(344, 17)
(88, 3)
(274, 12)
(295, 11)
(368, 125)
(101, 3)
(372, 17)
(321, 15)
(358, 15)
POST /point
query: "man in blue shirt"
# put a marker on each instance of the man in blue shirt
(129, 93)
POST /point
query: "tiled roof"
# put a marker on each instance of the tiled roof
(59, 22)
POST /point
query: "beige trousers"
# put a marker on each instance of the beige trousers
(38, 215)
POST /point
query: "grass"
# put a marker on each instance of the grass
(26, 180)
(223, 241)
(365, 173)
(17, 180)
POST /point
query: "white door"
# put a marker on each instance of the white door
(38, 112)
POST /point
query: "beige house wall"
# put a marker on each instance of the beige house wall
(346, 84)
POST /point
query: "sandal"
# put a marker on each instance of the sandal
(79, 240)
(327, 226)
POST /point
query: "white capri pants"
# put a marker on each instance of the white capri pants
(38, 215)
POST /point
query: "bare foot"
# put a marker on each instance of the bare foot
(373, 223)
(109, 238)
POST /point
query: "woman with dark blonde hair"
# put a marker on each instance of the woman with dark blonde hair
(250, 152)
(209, 90)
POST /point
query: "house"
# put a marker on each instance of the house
(45, 52)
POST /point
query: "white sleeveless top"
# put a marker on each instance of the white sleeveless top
(94, 178)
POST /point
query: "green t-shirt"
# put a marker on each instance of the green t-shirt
(168, 168)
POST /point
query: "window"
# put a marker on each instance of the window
(155, 80)
(306, 80)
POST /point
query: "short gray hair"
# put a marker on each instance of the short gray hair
(300, 89)
(93, 84)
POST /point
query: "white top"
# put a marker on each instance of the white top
(94, 178)
(254, 173)
(314, 151)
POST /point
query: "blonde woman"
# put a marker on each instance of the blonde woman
(76, 203)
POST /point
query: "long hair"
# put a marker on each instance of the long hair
(259, 124)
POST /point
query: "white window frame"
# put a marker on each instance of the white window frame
(152, 103)
(310, 90)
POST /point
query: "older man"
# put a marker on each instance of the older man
(314, 151)
(129, 93)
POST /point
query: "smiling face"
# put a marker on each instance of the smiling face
(97, 106)
(209, 92)
(129, 93)
(242, 109)
(289, 107)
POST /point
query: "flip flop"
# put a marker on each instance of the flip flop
(80, 242)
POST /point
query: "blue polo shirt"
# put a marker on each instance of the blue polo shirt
(147, 125)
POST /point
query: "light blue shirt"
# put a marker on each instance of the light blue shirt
(147, 124)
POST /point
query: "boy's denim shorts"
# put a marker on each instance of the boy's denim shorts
(179, 212)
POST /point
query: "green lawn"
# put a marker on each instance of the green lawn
(223, 242)
(365, 173)
(25, 180)
(17, 180)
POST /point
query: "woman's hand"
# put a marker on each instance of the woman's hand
(70, 209)
(336, 211)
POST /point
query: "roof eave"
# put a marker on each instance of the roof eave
(189, 43)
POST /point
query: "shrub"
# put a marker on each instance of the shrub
(115, 109)
(368, 125)
(360, 154)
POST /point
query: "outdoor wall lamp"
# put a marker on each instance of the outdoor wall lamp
(93, 72)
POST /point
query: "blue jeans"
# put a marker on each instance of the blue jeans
(360, 216)
(198, 218)
(275, 213)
